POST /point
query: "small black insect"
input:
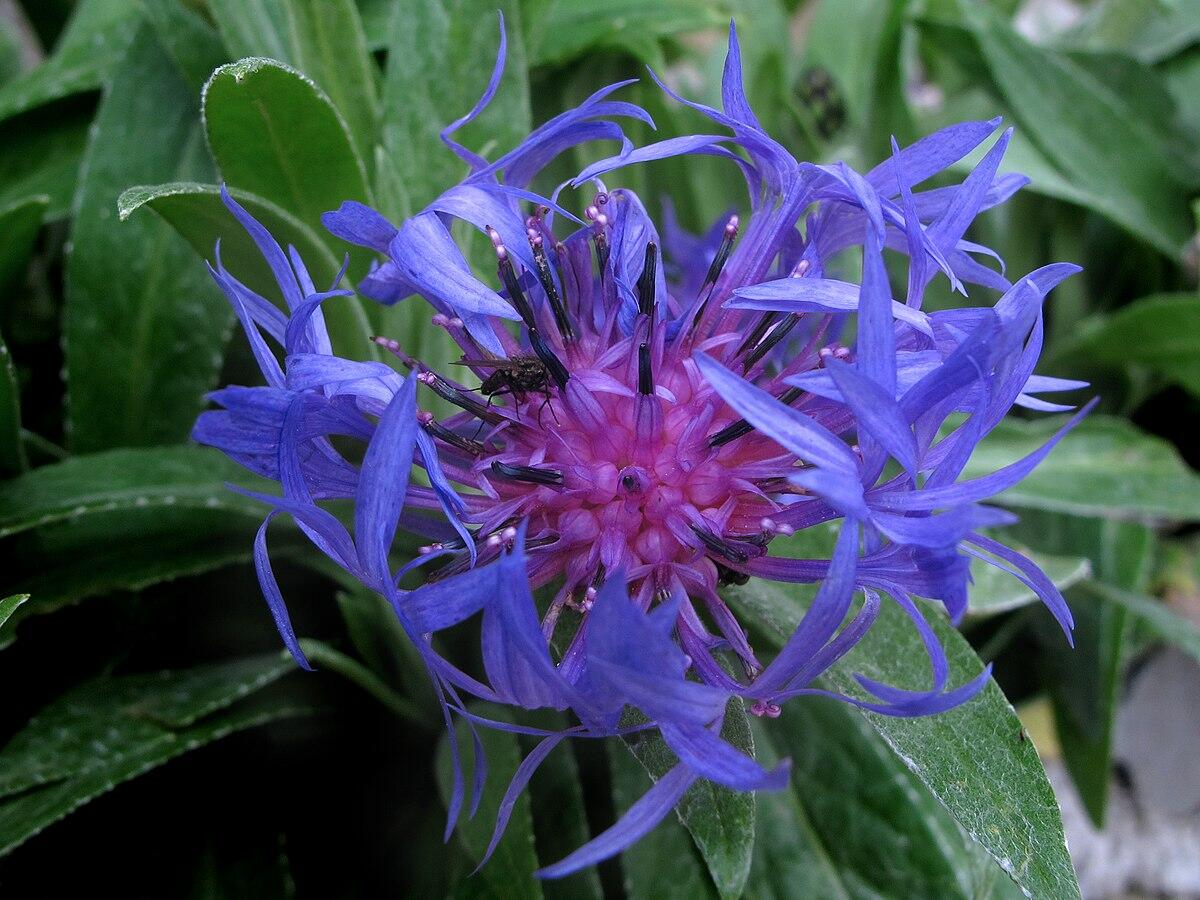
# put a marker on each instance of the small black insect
(518, 376)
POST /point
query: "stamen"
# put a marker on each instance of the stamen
(508, 276)
(766, 321)
(448, 392)
(719, 545)
(529, 474)
(542, 266)
(645, 284)
(741, 426)
(552, 363)
(715, 269)
(445, 435)
(645, 375)
(771, 340)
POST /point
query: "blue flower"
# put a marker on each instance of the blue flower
(656, 422)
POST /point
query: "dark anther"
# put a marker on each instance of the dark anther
(757, 332)
(771, 340)
(645, 375)
(448, 392)
(561, 318)
(726, 576)
(720, 546)
(715, 269)
(444, 434)
(530, 474)
(645, 283)
(736, 429)
(552, 363)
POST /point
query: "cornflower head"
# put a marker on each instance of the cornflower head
(653, 410)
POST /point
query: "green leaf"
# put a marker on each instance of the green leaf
(1085, 685)
(188, 39)
(40, 153)
(440, 57)
(1103, 467)
(1132, 174)
(972, 759)
(253, 27)
(509, 872)
(196, 212)
(115, 728)
(994, 591)
(19, 223)
(145, 324)
(1150, 613)
(869, 826)
(721, 821)
(12, 451)
(574, 28)
(274, 133)
(91, 46)
(664, 863)
(125, 481)
(331, 48)
(8, 606)
(1159, 334)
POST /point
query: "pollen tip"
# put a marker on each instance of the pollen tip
(731, 227)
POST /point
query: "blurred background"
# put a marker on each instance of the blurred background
(157, 743)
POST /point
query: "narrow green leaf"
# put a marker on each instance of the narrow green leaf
(1132, 173)
(12, 451)
(440, 57)
(116, 728)
(573, 28)
(721, 821)
(1159, 334)
(509, 873)
(1152, 614)
(664, 863)
(330, 47)
(1104, 467)
(191, 42)
(972, 759)
(145, 325)
(253, 27)
(91, 46)
(196, 212)
(1085, 685)
(19, 223)
(40, 153)
(125, 481)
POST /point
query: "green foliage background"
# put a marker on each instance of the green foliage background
(133, 632)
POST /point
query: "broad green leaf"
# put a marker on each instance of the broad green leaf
(115, 728)
(993, 591)
(12, 451)
(125, 481)
(1159, 334)
(145, 326)
(721, 821)
(440, 57)
(1085, 685)
(972, 759)
(197, 213)
(1132, 174)
(1104, 467)
(664, 863)
(509, 873)
(330, 47)
(10, 53)
(274, 133)
(8, 606)
(875, 826)
(91, 46)
(40, 153)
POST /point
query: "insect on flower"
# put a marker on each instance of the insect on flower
(700, 402)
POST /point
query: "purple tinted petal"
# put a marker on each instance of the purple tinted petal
(733, 93)
(710, 757)
(877, 413)
(270, 589)
(472, 159)
(930, 155)
(360, 224)
(1031, 576)
(815, 295)
(519, 781)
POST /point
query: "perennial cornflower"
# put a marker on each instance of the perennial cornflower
(654, 409)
